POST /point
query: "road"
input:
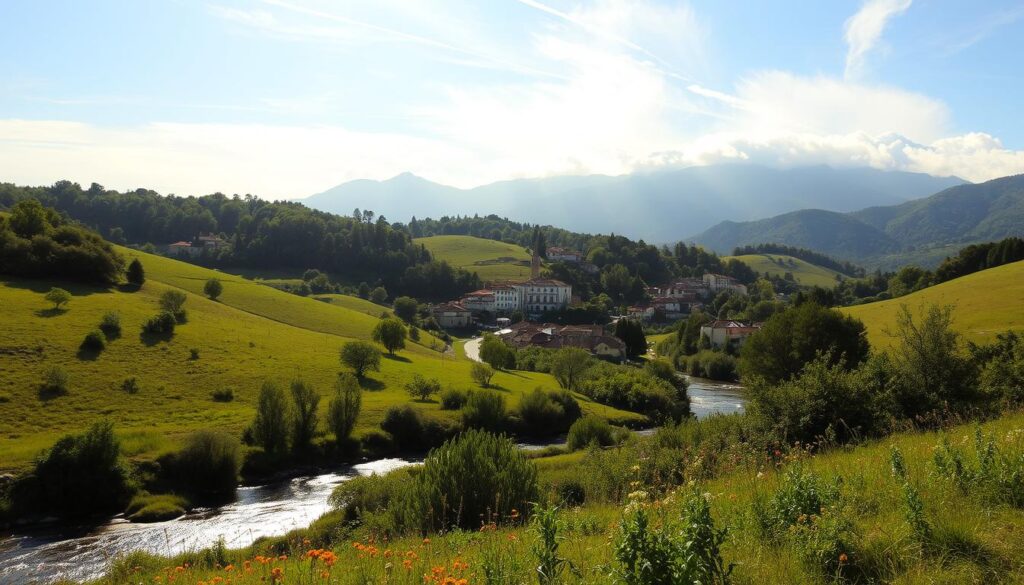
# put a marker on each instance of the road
(472, 348)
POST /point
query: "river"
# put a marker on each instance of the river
(269, 510)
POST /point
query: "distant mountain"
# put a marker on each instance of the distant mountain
(954, 217)
(659, 206)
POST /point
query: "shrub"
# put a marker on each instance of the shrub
(55, 381)
(110, 324)
(590, 430)
(453, 399)
(361, 357)
(160, 324)
(155, 508)
(569, 366)
(496, 353)
(473, 479)
(422, 388)
(94, 341)
(548, 413)
(662, 370)
(213, 288)
(223, 395)
(379, 295)
(711, 364)
(343, 411)
(373, 499)
(270, 427)
(173, 301)
(193, 353)
(414, 333)
(481, 374)
(209, 462)
(136, 274)
(130, 385)
(305, 401)
(405, 309)
(801, 495)
(534, 359)
(405, 425)
(391, 334)
(82, 474)
(58, 297)
(484, 409)
(636, 390)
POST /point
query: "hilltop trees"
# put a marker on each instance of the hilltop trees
(391, 334)
(361, 357)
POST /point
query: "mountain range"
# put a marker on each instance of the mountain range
(657, 206)
(922, 231)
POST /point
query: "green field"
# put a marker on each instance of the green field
(253, 333)
(804, 272)
(490, 259)
(986, 303)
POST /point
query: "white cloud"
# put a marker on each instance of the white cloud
(864, 30)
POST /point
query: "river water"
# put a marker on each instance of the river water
(270, 510)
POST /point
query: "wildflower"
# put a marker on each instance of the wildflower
(843, 558)
(407, 564)
(426, 541)
(512, 538)
(282, 558)
(277, 574)
(229, 568)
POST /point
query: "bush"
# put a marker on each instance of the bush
(94, 341)
(130, 385)
(496, 353)
(160, 324)
(534, 359)
(548, 413)
(569, 366)
(484, 409)
(372, 500)
(193, 353)
(81, 474)
(173, 301)
(405, 425)
(390, 333)
(55, 381)
(136, 274)
(213, 288)
(473, 479)
(270, 427)
(422, 388)
(361, 357)
(453, 399)
(405, 309)
(58, 297)
(208, 463)
(379, 295)
(714, 365)
(223, 395)
(590, 430)
(481, 374)
(110, 324)
(343, 411)
(634, 389)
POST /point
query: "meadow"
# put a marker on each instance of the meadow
(986, 303)
(849, 514)
(490, 259)
(805, 273)
(252, 333)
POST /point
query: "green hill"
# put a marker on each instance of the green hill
(490, 259)
(987, 303)
(253, 333)
(804, 272)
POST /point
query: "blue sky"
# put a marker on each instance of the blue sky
(284, 98)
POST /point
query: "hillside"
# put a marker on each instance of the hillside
(803, 272)
(490, 259)
(987, 303)
(254, 333)
(658, 206)
(922, 231)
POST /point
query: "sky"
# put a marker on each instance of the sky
(285, 98)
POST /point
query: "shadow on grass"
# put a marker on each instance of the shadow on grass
(51, 312)
(129, 287)
(48, 393)
(371, 384)
(950, 542)
(87, 354)
(397, 358)
(151, 339)
(42, 285)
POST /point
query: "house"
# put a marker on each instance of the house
(181, 248)
(480, 301)
(452, 315)
(721, 333)
(210, 242)
(687, 289)
(538, 295)
(506, 299)
(717, 283)
(556, 254)
(591, 338)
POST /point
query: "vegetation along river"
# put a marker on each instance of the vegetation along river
(269, 510)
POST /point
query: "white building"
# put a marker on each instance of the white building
(718, 282)
(506, 298)
(564, 255)
(723, 332)
(451, 315)
(480, 301)
(538, 295)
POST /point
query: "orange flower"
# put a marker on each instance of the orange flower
(282, 558)
(229, 568)
(843, 558)
(277, 574)
(407, 564)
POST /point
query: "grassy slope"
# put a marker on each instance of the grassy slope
(987, 538)
(987, 303)
(804, 272)
(353, 303)
(473, 254)
(254, 333)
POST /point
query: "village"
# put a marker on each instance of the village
(515, 311)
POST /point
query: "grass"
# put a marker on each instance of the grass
(155, 508)
(974, 539)
(251, 334)
(805, 273)
(354, 304)
(490, 259)
(987, 303)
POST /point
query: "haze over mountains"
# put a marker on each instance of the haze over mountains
(924, 230)
(657, 206)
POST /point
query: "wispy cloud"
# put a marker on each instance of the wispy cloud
(982, 30)
(864, 29)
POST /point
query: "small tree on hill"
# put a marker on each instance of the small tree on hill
(58, 297)
(343, 410)
(270, 427)
(173, 302)
(497, 353)
(391, 334)
(379, 295)
(422, 388)
(482, 374)
(569, 365)
(364, 290)
(213, 288)
(361, 357)
(136, 274)
(305, 401)
(405, 309)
